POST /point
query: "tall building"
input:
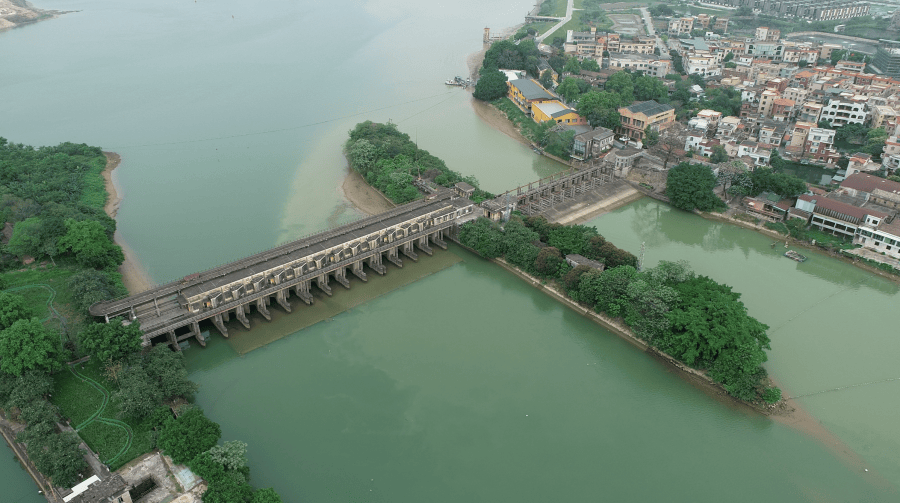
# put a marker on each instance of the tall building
(887, 58)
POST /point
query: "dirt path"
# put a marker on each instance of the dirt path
(133, 275)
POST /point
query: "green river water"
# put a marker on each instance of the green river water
(451, 379)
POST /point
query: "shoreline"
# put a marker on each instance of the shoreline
(791, 415)
(134, 277)
(363, 196)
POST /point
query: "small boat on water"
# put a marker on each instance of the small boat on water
(459, 81)
(791, 254)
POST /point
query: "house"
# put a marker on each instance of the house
(881, 114)
(623, 159)
(592, 143)
(767, 34)
(637, 117)
(555, 111)
(721, 24)
(861, 162)
(526, 92)
(768, 206)
(844, 109)
(650, 64)
(783, 109)
(861, 183)
(463, 189)
(836, 217)
(681, 25)
(881, 238)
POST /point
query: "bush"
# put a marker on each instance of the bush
(186, 436)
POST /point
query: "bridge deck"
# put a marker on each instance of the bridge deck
(271, 258)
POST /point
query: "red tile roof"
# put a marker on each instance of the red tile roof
(842, 208)
(868, 183)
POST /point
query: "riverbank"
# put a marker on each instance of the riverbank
(363, 196)
(134, 277)
(15, 15)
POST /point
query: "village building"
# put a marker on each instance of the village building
(526, 92)
(637, 117)
(592, 143)
(557, 112)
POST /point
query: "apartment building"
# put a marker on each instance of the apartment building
(845, 109)
(651, 65)
(681, 25)
(766, 34)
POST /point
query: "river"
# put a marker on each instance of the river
(451, 381)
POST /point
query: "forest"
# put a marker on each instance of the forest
(390, 161)
(121, 399)
(692, 318)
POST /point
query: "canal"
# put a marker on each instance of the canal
(452, 380)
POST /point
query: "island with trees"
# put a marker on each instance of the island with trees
(58, 366)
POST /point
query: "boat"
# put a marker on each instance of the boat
(791, 254)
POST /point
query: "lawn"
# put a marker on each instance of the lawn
(540, 27)
(105, 432)
(555, 8)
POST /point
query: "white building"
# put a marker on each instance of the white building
(845, 110)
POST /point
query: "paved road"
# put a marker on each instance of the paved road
(570, 7)
(648, 21)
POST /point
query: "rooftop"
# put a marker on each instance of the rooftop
(649, 108)
(530, 89)
(868, 183)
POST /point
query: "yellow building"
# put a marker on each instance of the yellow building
(637, 117)
(557, 112)
(526, 92)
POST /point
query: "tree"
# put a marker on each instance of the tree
(671, 141)
(743, 11)
(188, 435)
(26, 238)
(110, 341)
(12, 309)
(548, 261)
(28, 345)
(546, 79)
(59, 457)
(572, 66)
(267, 495)
(837, 56)
(600, 108)
(138, 395)
(590, 65)
(651, 137)
(21, 390)
(568, 89)
(362, 155)
(650, 88)
(91, 286)
(232, 454)
(484, 236)
(734, 173)
(718, 154)
(491, 85)
(621, 84)
(91, 245)
(690, 186)
(228, 490)
(875, 141)
(167, 367)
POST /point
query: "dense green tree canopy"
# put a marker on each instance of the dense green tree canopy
(690, 186)
(491, 85)
(569, 89)
(600, 108)
(59, 457)
(718, 154)
(186, 436)
(267, 495)
(590, 65)
(88, 240)
(110, 341)
(232, 454)
(28, 345)
(651, 137)
(91, 286)
(622, 84)
(650, 88)
(12, 309)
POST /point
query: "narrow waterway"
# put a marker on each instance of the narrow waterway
(449, 380)
(16, 486)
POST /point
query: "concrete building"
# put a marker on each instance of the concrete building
(650, 64)
(816, 10)
(783, 110)
(557, 112)
(766, 34)
(811, 112)
(887, 58)
(637, 117)
(721, 25)
(526, 92)
(845, 109)
(703, 65)
(836, 217)
(592, 144)
(681, 25)
(881, 114)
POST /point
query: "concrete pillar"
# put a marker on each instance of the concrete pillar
(375, 263)
(281, 298)
(261, 307)
(219, 321)
(173, 341)
(357, 269)
(438, 239)
(302, 291)
(407, 249)
(394, 258)
(322, 283)
(226, 316)
(241, 316)
(340, 275)
(422, 243)
(195, 331)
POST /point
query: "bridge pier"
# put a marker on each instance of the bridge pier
(322, 283)
(340, 275)
(394, 258)
(422, 243)
(173, 341)
(261, 307)
(195, 331)
(241, 315)
(219, 321)
(302, 291)
(407, 250)
(281, 298)
(357, 269)
(375, 263)
(438, 239)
